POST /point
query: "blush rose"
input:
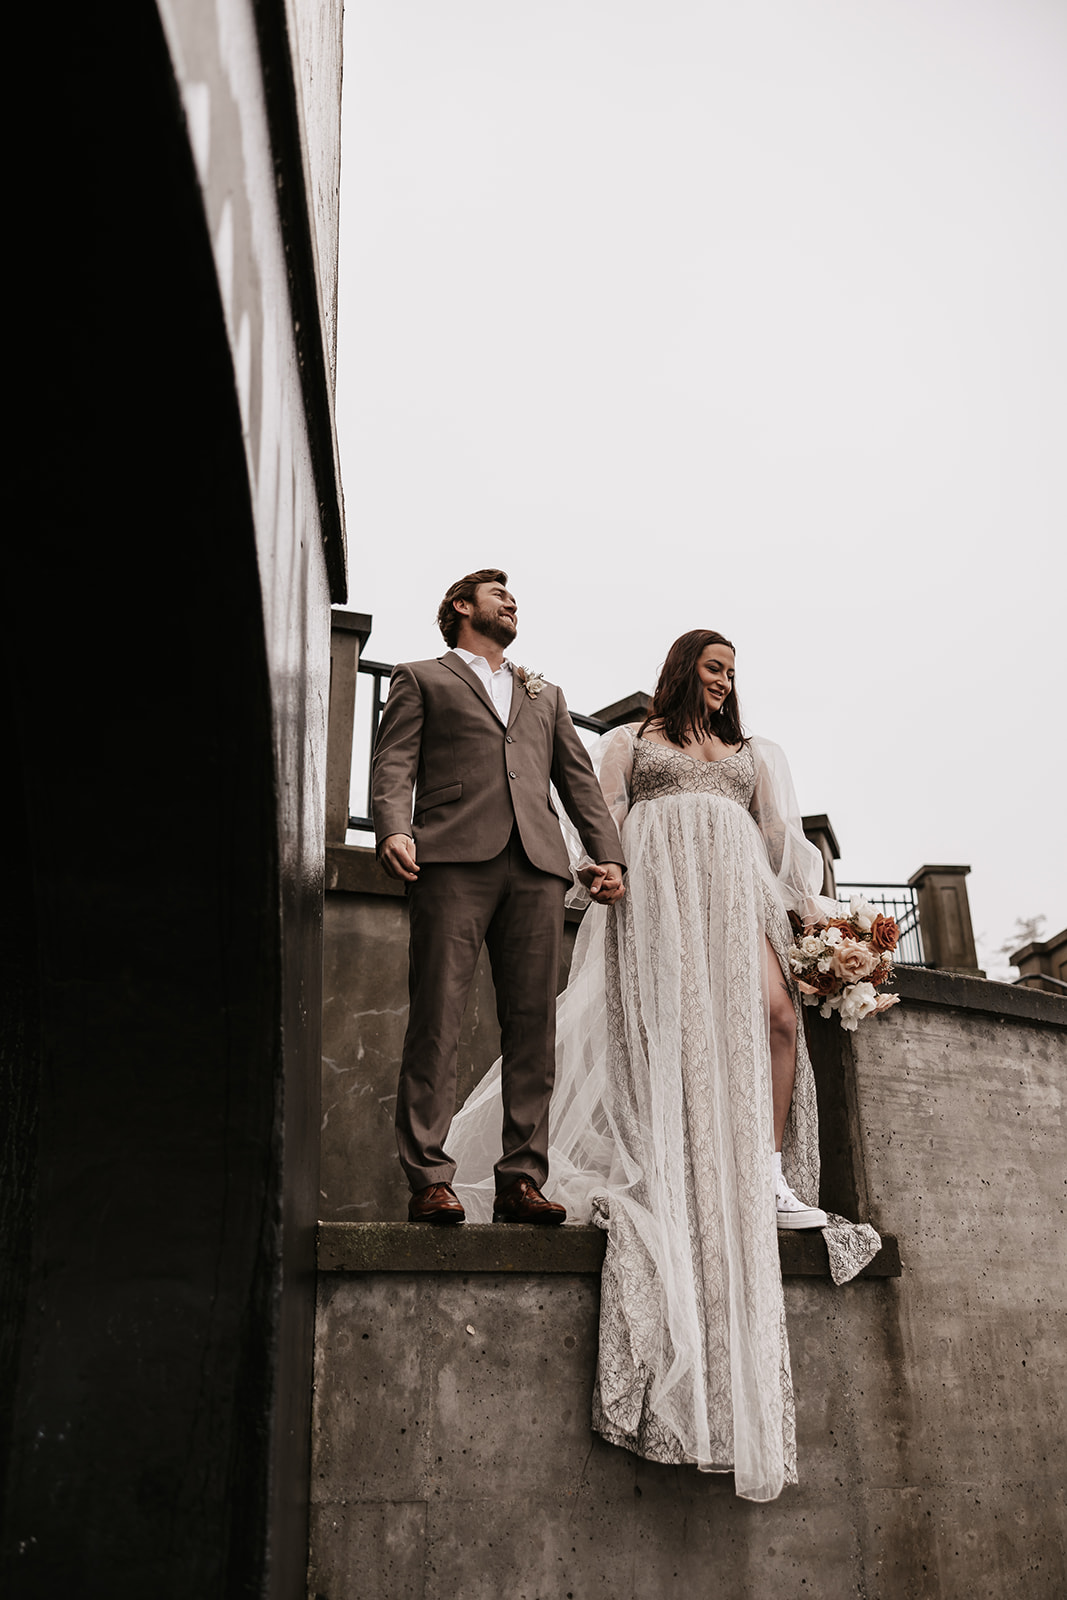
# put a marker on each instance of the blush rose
(853, 962)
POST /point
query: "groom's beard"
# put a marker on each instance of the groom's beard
(501, 630)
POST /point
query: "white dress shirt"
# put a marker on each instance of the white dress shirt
(499, 683)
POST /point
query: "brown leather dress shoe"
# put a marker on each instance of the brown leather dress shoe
(436, 1203)
(522, 1201)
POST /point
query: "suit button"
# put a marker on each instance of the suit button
(509, 739)
(511, 774)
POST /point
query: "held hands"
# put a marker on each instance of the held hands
(604, 882)
(397, 856)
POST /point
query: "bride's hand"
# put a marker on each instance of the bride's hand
(604, 882)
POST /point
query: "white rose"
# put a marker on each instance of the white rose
(857, 1002)
(862, 912)
(810, 946)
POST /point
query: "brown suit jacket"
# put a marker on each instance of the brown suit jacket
(473, 779)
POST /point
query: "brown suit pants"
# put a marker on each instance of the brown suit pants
(517, 912)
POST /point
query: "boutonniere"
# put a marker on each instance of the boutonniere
(532, 682)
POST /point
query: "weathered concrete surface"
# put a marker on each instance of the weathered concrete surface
(315, 33)
(269, 182)
(454, 1458)
(454, 1463)
(503, 1247)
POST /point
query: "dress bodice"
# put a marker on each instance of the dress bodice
(658, 771)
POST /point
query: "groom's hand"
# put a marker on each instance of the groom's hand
(397, 856)
(604, 882)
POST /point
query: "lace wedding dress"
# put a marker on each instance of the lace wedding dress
(661, 1127)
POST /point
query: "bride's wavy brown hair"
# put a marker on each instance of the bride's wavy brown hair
(678, 703)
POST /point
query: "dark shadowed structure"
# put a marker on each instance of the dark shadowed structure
(166, 659)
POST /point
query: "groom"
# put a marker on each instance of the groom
(479, 740)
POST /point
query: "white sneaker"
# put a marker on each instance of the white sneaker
(793, 1213)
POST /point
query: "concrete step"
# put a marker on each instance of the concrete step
(499, 1247)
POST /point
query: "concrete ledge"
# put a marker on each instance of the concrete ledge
(352, 869)
(933, 987)
(488, 1247)
(360, 622)
(470, 1247)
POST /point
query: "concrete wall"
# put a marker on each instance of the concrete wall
(453, 1455)
(260, 87)
(315, 34)
(268, 166)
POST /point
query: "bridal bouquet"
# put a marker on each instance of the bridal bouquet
(840, 963)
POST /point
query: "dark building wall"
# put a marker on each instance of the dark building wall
(166, 646)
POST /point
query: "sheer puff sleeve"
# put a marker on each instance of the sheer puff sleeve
(613, 757)
(795, 861)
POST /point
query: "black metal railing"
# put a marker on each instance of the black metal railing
(369, 707)
(900, 901)
(370, 703)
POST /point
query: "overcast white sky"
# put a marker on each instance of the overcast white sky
(695, 313)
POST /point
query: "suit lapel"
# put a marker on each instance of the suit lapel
(518, 695)
(457, 665)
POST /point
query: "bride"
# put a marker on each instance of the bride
(683, 1118)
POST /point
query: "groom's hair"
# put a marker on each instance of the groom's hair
(448, 618)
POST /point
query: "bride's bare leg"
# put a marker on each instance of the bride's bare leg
(793, 1212)
(783, 1031)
